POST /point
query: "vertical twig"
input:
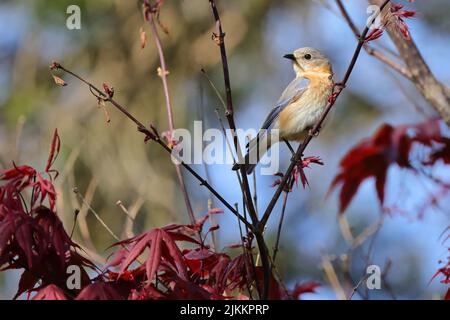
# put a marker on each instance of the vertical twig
(332, 277)
(219, 38)
(163, 72)
(244, 251)
(280, 224)
(201, 115)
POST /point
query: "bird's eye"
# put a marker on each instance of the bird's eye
(307, 56)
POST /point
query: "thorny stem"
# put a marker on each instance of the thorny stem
(315, 130)
(163, 75)
(151, 134)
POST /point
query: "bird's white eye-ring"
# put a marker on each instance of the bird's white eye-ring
(307, 56)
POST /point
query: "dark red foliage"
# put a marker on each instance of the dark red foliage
(374, 34)
(54, 151)
(197, 273)
(307, 287)
(172, 262)
(50, 292)
(184, 290)
(161, 248)
(20, 178)
(217, 277)
(20, 234)
(298, 173)
(169, 272)
(389, 146)
(148, 292)
(398, 19)
(32, 237)
(99, 291)
(442, 154)
(443, 273)
(276, 290)
(397, 16)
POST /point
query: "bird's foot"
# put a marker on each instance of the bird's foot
(339, 85)
(313, 132)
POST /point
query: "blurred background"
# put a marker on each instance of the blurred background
(109, 162)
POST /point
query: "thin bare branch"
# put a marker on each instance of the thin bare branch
(151, 134)
(435, 92)
(264, 252)
(370, 50)
(163, 72)
(99, 219)
(280, 225)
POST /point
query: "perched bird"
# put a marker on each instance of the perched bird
(299, 107)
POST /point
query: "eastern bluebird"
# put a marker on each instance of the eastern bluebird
(299, 107)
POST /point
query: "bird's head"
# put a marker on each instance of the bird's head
(309, 60)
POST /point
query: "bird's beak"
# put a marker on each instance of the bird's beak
(289, 56)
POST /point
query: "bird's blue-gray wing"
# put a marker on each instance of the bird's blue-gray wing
(292, 92)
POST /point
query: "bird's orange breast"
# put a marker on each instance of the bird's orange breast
(302, 113)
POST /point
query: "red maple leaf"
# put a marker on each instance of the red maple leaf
(20, 235)
(56, 236)
(54, 151)
(390, 145)
(161, 247)
(218, 274)
(307, 287)
(99, 291)
(238, 272)
(187, 290)
(26, 283)
(147, 292)
(276, 290)
(50, 292)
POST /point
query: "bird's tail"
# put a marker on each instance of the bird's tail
(256, 148)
